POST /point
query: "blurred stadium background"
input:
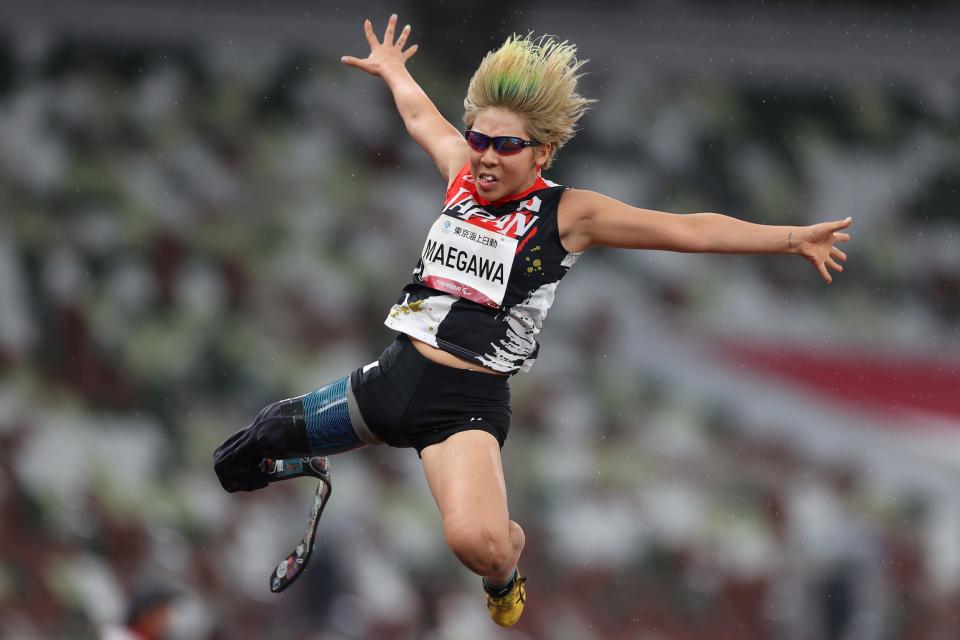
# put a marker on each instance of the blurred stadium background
(201, 211)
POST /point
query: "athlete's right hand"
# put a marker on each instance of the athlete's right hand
(383, 55)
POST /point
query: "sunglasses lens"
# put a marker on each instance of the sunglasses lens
(504, 145)
(477, 141)
(509, 146)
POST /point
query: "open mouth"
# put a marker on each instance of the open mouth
(486, 180)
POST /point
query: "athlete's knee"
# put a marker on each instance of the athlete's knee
(276, 434)
(483, 549)
(264, 413)
(237, 461)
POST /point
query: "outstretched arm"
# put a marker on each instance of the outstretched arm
(387, 59)
(592, 219)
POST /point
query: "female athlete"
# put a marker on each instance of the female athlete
(469, 317)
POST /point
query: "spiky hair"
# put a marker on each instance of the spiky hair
(535, 78)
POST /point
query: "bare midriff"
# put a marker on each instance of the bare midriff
(448, 359)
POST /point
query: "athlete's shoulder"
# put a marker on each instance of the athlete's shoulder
(579, 199)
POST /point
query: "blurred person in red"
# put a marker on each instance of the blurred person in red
(479, 294)
(149, 615)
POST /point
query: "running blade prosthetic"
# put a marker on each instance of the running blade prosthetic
(294, 564)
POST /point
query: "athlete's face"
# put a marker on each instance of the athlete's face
(496, 175)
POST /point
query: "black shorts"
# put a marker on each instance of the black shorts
(406, 400)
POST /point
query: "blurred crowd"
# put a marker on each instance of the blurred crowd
(190, 232)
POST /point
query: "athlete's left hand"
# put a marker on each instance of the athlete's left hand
(816, 244)
(385, 57)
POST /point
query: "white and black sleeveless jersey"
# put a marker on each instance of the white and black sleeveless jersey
(487, 275)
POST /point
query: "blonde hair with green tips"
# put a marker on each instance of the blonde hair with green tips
(535, 78)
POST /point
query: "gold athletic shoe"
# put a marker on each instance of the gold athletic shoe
(507, 609)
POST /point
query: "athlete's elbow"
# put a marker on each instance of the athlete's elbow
(413, 121)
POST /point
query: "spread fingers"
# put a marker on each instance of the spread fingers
(404, 34)
(368, 31)
(388, 34)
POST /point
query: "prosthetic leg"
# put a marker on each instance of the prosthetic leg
(319, 423)
(295, 563)
(289, 439)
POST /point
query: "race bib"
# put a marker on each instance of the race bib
(467, 261)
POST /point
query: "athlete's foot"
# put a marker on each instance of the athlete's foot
(506, 608)
(284, 469)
